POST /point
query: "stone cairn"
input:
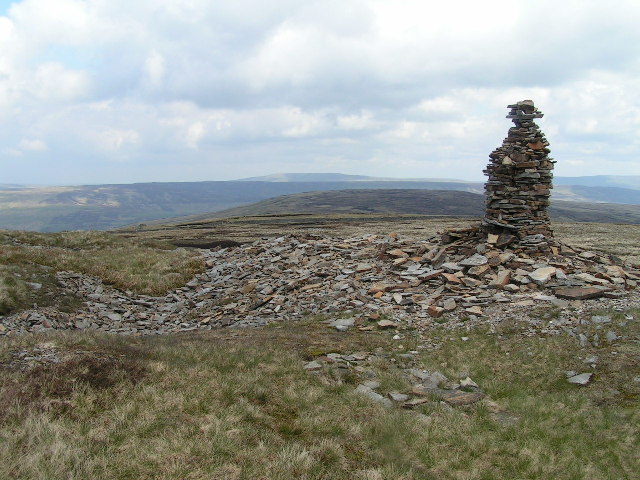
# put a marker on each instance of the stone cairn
(519, 185)
(509, 257)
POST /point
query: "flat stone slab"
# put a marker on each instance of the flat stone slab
(375, 396)
(581, 379)
(414, 402)
(384, 324)
(398, 397)
(313, 366)
(542, 275)
(458, 398)
(580, 293)
(474, 260)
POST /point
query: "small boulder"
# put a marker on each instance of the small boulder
(376, 397)
(581, 379)
(434, 380)
(542, 275)
(385, 324)
(398, 397)
(313, 366)
(467, 382)
(611, 336)
(449, 304)
(459, 398)
(343, 324)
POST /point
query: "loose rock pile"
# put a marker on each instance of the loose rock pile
(519, 185)
(427, 387)
(511, 257)
(387, 281)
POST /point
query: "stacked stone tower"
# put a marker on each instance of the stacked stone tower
(520, 181)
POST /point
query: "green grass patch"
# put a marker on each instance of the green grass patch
(148, 267)
(13, 290)
(238, 404)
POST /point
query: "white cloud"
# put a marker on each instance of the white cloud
(195, 133)
(53, 82)
(114, 139)
(360, 121)
(298, 123)
(230, 86)
(41, 23)
(11, 152)
(406, 130)
(34, 145)
(155, 69)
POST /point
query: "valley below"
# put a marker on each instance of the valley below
(606, 199)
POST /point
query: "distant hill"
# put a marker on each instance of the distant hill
(620, 181)
(425, 202)
(582, 193)
(340, 177)
(14, 186)
(617, 181)
(102, 207)
(600, 188)
(308, 177)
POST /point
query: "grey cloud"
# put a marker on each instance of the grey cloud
(268, 85)
(214, 61)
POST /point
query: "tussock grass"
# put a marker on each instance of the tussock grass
(13, 290)
(239, 405)
(617, 239)
(148, 267)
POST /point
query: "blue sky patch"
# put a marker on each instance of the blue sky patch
(4, 6)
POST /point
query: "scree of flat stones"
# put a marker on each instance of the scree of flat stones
(520, 181)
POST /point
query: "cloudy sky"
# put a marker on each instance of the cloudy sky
(119, 91)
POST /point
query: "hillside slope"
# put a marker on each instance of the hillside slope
(101, 207)
(620, 181)
(423, 202)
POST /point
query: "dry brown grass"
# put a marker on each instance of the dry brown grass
(237, 404)
(13, 290)
(620, 240)
(51, 387)
(148, 267)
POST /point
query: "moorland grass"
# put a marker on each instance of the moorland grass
(239, 405)
(147, 267)
(13, 290)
